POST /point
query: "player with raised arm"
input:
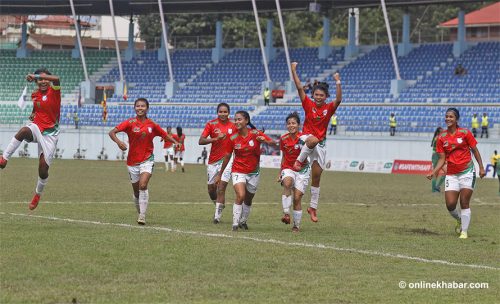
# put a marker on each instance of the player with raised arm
(44, 128)
(140, 160)
(317, 118)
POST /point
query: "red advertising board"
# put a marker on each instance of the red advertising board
(421, 167)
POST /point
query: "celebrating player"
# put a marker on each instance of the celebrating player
(44, 128)
(246, 166)
(179, 149)
(140, 160)
(454, 146)
(294, 183)
(168, 151)
(219, 130)
(317, 117)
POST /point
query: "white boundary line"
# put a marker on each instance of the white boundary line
(440, 205)
(259, 240)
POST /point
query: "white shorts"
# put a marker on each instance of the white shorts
(46, 143)
(300, 179)
(179, 154)
(319, 152)
(135, 171)
(251, 180)
(459, 182)
(169, 151)
(214, 169)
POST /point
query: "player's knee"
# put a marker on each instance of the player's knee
(143, 186)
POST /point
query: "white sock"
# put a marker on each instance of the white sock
(182, 163)
(286, 201)
(171, 164)
(297, 217)
(455, 214)
(166, 165)
(136, 202)
(236, 214)
(465, 214)
(304, 153)
(143, 201)
(218, 210)
(245, 213)
(40, 185)
(314, 197)
(11, 148)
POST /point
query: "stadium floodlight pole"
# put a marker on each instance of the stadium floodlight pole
(264, 57)
(164, 32)
(80, 47)
(117, 47)
(285, 43)
(391, 44)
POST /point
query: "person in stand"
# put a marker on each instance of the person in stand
(392, 124)
(76, 119)
(43, 128)
(474, 124)
(317, 117)
(436, 182)
(140, 160)
(454, 147)
(245, 173)
(294, 183)
(267, 96)
(484, 125)
(217, 132)
(333, 125)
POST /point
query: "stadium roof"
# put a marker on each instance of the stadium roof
(488, 15)
(137, 7)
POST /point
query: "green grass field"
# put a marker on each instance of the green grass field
(375, 230)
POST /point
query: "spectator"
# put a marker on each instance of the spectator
(333, 125)
(267, 94)
(203, 156)
(392, 124)
(484, 125)
(460, 70)
(474, 124)
(76, 119)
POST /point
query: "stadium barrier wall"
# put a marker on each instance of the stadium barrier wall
(344, 153)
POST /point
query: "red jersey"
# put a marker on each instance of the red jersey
(457, 147)
(290, 148)
(220, 148)
(167, 143)
(181, 141)
(47, 109)
(140, 137)
(246, 152)
(317, 118)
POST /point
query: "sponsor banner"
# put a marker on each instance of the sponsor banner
(420, 167)
(354, 165)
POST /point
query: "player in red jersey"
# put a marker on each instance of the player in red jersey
(168, 151)
(179, 149)
(140, 160)
(217, 132)
(246, 166)
(294, 183)
(44, 128)
(318, 114)
(454, 147)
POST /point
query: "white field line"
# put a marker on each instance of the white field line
(440, 205)
(258, 240)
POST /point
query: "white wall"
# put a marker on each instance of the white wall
(342, 147)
